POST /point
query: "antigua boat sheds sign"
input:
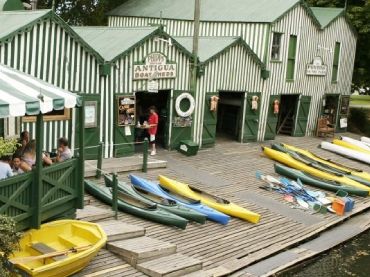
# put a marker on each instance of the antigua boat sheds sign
(155, 66)
(317, 67)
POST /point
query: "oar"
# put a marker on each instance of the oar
(23, 260)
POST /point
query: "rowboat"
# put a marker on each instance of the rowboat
(134, 206)
(58, 248)
(208, 199)
(351, 146)
(155, 188)
(316, 182)
(152, 199)
(291, 162)
(356, 142)
(354, 171)
(318, 165)
(349, 153)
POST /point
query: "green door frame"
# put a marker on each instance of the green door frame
(337, 111)
(274, 117)
(251, 118)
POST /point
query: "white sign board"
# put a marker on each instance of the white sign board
(155, 67)
(153, 86)
(343, 122)
(316, 68)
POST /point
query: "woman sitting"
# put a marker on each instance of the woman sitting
(29, 157)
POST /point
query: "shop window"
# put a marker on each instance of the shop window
(291, 57)
(51, 116)
(334, 76)
(276, 46)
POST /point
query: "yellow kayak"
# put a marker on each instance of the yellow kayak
(350, 146)
(59, 248)
(212, 201)
(354, 172)
(289, 161)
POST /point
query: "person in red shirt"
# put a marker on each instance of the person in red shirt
(152, 128)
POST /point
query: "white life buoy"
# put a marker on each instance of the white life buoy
(181, 97)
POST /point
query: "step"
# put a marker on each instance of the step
(119, 230)
(170, 266)
(92, 213)
(142, 249)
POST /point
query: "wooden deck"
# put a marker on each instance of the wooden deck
(228, 170)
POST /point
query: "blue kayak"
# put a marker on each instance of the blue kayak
(187, 202)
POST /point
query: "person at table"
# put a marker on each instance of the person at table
(64, 152)
(5, 169)
(152, 128)
(29, 157)
(24, 139)
(16, 163)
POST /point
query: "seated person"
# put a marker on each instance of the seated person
(63, 153)
(16, 164)
(29, 157)
(5, 169)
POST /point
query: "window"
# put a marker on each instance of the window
(50, 116)
(334, 76)
(291, 57)
(276, 44)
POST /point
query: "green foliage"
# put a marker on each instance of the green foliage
(359, 122)
(9, 242)
(7, 146)
(358, 12)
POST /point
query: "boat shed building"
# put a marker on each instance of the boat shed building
(308, 54)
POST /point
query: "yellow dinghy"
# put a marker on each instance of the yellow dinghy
(289, 161)
(59, 248)
(350, 146)
(355, 172)
(210, 200)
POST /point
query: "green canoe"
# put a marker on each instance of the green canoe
(152, 199)
(317, 182)
(131, 205)
(320, 166)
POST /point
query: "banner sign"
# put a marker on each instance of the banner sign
(154, 67)
(316, 68)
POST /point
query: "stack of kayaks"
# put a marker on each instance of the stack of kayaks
(300, 162)
(365, 140)
(136, 206)
(208, 199)
(155, 188)
(349, 149)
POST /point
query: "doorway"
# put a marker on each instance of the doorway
(229, 115)
(330, 107)
(144, 100)
(287, 111)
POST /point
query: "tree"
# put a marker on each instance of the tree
(358, 12)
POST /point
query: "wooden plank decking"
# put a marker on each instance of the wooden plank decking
(228, 170)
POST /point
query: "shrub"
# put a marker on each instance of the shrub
(9, 242)
(358, 121)
(8, 146)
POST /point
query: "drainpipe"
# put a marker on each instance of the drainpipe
(33, 4)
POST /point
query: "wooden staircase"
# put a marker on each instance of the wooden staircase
(287, 125)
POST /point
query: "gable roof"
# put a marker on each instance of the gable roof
(211, 10)
(326, 15)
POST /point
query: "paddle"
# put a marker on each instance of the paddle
(23, 260)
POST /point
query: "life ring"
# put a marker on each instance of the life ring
(181, 97)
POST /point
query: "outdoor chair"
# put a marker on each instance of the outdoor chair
(324, 127)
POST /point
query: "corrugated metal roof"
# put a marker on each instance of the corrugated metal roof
(211, 10)
(326, 15)
(111, 42)
(14, 20)
(208, 46)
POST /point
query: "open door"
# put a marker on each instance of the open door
(272, 118)
(124, 125)
(251, 116)
(301, 116)
(92, 126)
(343, 112)
(209, 122)
(181, 125)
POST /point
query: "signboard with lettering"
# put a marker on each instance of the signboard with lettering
(153, 86)
(155, 66)
(317, 67)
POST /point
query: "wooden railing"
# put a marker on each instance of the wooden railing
(60, 194)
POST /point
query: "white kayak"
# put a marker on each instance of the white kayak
(346, 152)
(365, 140)
(356, 142)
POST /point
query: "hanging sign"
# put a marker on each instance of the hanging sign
(153, 86)
(154, 67)
(317, 67)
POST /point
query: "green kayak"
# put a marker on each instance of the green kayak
(153, 199)
(317, 182)
(320, 166)
(131, 205)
